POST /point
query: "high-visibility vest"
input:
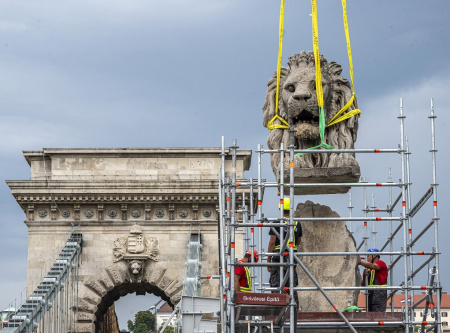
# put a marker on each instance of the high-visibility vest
(372, 280)
(277, 247)
(248, 276)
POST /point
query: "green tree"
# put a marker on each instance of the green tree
(169, 329)
(144, 321)
(141, 328)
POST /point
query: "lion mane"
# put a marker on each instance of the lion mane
(298, 106)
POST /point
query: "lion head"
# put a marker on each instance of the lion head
(136, 266)
(298, 106)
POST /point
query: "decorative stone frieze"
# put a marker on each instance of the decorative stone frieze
(65, 213)
(89, 213)
(124, 208)
(148, 212)
(54, 210)
(30, 210)
(171, 212)
(76, 211)
(159, 213)
(100, 212)
(42, 213)
(195, 212)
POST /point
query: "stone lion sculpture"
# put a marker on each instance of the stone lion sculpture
(298, 106)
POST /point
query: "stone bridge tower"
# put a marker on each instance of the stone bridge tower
(136, 210)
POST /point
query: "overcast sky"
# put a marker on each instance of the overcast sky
(183, 73)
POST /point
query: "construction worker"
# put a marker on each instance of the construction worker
(242, 276)
(378, 277)
(274, 246)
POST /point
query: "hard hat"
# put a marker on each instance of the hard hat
(286, 204)
(373, 250)
(255, 254)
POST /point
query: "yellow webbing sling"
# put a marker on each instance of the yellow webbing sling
(270, 125)
(338, 117)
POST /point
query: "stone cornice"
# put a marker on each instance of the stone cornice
(111, 184)
(94, 198)
(137, 152)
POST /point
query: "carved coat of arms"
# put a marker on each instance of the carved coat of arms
(136, 249)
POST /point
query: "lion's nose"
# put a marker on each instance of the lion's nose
(302, 95)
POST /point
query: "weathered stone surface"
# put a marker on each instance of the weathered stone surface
(85, 306)
(329, 271)
(92, 297)
(118, 273)
(84, 328)
(298, 107)
(105, 280)
(85, 316)
(95, 286)
(164, 282)
(168, 192)
(343, 174)
(154, 272)
(174, 287)
(175, 299)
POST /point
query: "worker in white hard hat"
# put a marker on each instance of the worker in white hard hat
(377, 273)
(274, 246)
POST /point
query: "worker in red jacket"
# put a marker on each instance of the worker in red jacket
(378, 277)
(242, 275)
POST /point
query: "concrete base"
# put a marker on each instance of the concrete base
(349, 174)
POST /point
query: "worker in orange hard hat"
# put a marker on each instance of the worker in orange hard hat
(242, 275)
(274, 246)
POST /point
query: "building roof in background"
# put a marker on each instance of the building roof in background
(445, 301)
(165, 308)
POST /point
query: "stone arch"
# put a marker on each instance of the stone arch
(117, 281)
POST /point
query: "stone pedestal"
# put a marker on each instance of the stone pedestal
(347, 174)
(329, 271)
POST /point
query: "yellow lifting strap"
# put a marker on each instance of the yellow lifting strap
(337, 117)
(270, 125)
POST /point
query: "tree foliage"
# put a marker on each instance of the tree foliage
(144, 321)
(169, 329)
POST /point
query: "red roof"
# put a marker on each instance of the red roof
(445, 301)
(165, 308)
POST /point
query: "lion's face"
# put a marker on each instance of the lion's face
(135, 266)
(297, 105)
(299, 100)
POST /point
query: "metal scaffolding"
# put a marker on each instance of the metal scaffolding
(250, 218)
(50, 307)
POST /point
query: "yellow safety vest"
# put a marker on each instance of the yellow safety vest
(372, 280)
(247, 289)
(277, 247)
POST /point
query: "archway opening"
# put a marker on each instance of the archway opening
(123, 302)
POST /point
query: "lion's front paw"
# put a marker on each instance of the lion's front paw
(342, 160)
